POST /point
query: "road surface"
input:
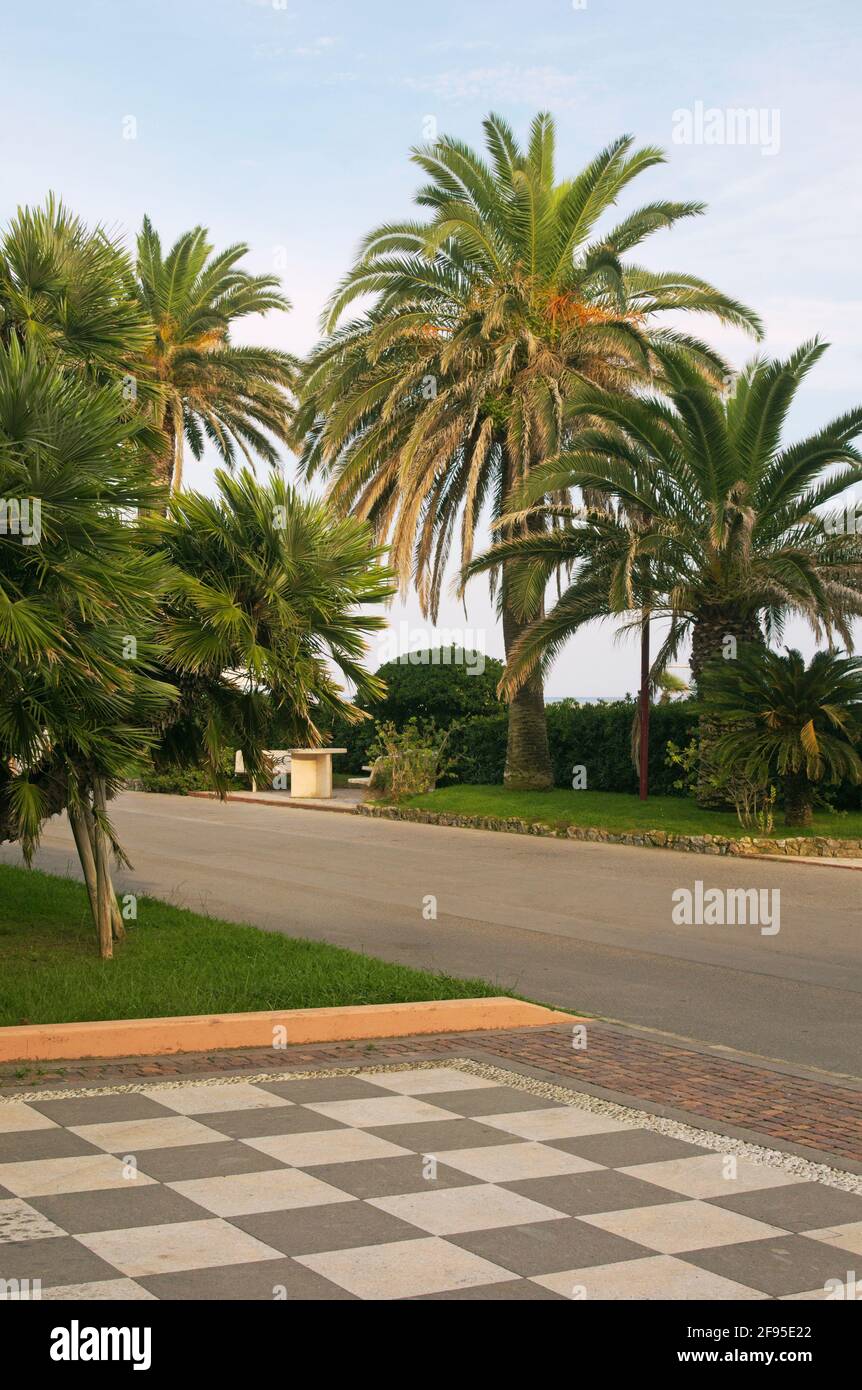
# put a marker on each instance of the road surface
(582, 926)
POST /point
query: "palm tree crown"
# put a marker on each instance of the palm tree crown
(699, 515)
(265, 611)
(235, 396)
(789, 721)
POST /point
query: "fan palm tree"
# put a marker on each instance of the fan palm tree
(790, 722)
(212, 389)
(69, 292)
(426, 410)
(78, 603)
(704, 519)
(264, 615)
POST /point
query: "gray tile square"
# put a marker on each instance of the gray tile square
(514, 1290)
(626, 1147)
(100, 1110)
(317, 1089)
(777, 1266)
(548, 1247)
(435, 1136)
(341, 1226)
(385, 1177)
(28, 1146)
(581, 1194)
(804, 1206)
(264, 1281)
(181, 1162)
(113, 1209)
(491, 1100)
(59, 1261)
(259, 1124)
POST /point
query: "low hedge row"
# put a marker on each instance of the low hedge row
(598, 737)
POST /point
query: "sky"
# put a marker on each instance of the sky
(287, 124)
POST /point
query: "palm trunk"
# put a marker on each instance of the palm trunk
(105, 891)
(528, 757)
(84, 846)
(643, 751)
(797, 799)
(712, 629)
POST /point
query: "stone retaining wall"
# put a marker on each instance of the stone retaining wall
(814, 845)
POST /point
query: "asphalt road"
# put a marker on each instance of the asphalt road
(582, 926)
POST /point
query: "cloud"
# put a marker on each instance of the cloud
(543, 86)
(316, 48)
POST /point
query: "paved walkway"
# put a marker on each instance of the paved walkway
(803, 1112)
(440, 1181)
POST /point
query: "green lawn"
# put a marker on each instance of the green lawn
(177, 962)
(616, 811)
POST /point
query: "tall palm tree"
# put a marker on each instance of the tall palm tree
(266, 616)
(212, 389)
(702, 518)
(784, 720)
(427, 409)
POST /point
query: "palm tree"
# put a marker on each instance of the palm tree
(699, 516)
(265, 613)
(69, 292)
(787, 721)
(211, 388)
(78, 602)
(429, 408)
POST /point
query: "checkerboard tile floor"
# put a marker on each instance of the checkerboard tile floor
(428, 1182)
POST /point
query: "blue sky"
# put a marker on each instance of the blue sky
(289, 126)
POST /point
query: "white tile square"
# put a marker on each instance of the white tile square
(511, 1162)
(653, 1278)
(242, 1194)
(563, 1122)
(674, 1227)
(325, 1146)
(208, 1100)
(427, 1080)
(455, 1209)
(845, 1237)
(180, 1245)
(133, 1136)
(15, 1115)
(121, 1290)
(405, 1269)
(47, 1177)
(20, 1221)
(711, 1175)
(382, 1110)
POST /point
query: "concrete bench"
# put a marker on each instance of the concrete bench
(281, 767)
(311, 771)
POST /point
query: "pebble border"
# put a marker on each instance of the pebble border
(802, 1168)
(796, 847)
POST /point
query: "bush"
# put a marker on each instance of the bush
(406, 762)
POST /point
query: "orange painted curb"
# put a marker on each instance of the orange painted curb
(140, 1037)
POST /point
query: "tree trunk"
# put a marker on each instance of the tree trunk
(717, 633)
(528, 757)
(797, 799)
(105, 889)
(84, 846)
(643, 749)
